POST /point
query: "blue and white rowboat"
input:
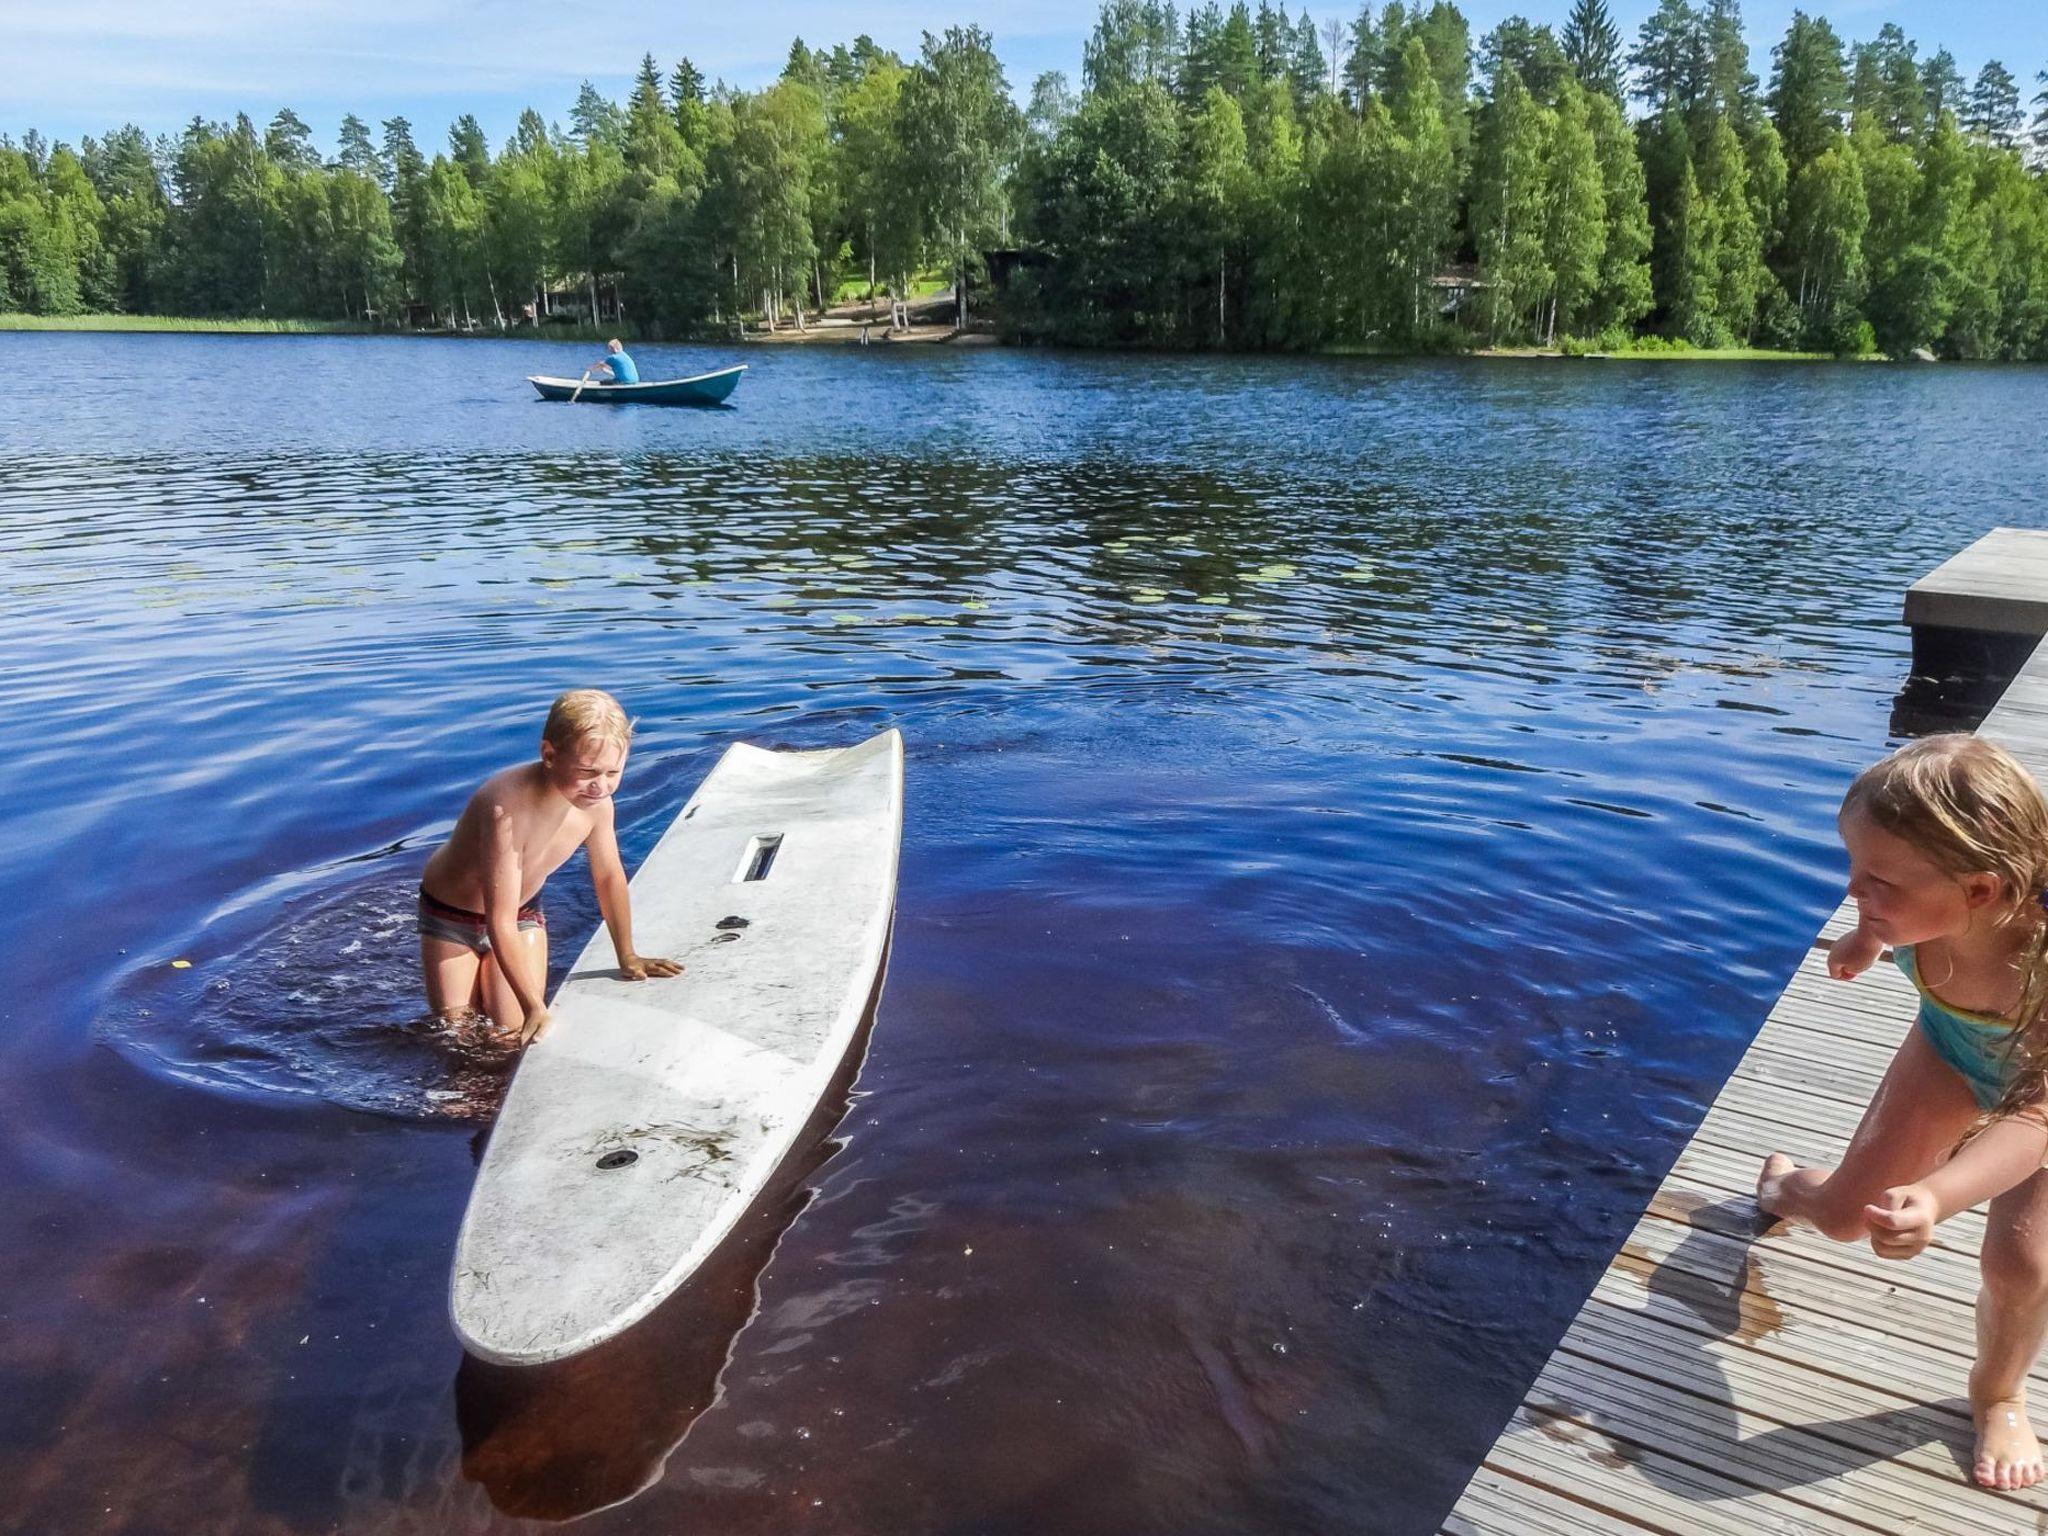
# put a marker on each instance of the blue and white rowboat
(704, 389)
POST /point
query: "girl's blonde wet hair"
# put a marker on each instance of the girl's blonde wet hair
(587, 714)
(1970, 807)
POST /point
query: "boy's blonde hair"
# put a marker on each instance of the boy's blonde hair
(1970, 807)
(587, 714)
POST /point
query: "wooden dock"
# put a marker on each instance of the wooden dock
(1722, 1381)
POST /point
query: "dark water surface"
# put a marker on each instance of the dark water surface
(1358, 812)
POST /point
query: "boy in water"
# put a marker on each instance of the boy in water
(483, 936)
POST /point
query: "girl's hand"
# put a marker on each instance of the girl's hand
(640, 967)
(1902, 1222)
(1851, 955)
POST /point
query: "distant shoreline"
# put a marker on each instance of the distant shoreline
(840, 334)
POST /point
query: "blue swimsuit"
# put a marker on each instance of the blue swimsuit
(1977, 1045)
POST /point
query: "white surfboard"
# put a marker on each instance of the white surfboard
(646, 1121)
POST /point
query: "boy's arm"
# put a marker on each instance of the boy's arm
(2004, 1154)
(615, 900)
(502, 869)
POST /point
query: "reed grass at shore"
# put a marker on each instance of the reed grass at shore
(181, 323)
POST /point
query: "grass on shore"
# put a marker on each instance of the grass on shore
(854, 290)
(252, 327)
(189, 325)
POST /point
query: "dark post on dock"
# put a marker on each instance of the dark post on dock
(1723, 1380)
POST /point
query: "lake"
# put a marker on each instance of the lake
(1357, 814)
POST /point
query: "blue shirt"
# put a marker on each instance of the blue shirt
(623, 371)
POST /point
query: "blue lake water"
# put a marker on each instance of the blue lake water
(1357, 814)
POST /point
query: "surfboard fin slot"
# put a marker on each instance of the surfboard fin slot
(760, 857)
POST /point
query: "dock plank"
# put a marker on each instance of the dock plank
(1728, 1374)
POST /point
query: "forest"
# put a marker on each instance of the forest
(1227, 178)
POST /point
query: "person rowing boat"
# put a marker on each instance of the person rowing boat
(618, 367)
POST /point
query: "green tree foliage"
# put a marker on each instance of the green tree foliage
(961, 134)
(1134, 41)
(1809, 89)
(1941, 86)
(1509, 185)
(1216, 183)
(1592, 46)
(1731, 88)
(1575, 233)
(1994, 108)
(779, 138)
(1673, 58)
(38, 261)
(1691, 265)
(1723, 184)
(870, 130)
(469, 149)
(1219, 180)
(1533, 53)
(356, 152)
(1623, 295)
(1828, 212)
(1423, 220)
(1109, 190)
(289, 143)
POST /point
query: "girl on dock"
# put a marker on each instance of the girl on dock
(1948, 864)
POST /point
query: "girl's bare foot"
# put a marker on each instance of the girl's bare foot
(2008, 1455)
(1776, 1166)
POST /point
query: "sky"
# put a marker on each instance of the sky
(85, 66)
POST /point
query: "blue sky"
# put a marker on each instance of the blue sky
(87, 65)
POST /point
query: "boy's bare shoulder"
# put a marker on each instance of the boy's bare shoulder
(509, 790)
(509, 787)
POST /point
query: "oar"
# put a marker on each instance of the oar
(579, 386)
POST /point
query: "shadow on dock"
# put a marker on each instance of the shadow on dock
(1710, 1287)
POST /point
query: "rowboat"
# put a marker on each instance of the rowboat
(641, 1129)
(703, 389)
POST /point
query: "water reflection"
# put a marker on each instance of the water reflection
(562, 1440)
(1356, 814)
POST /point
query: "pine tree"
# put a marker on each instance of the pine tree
(594, 120)
(1236, 57)
(686, 101)
(1275, 40)
(1307, 69)
(1533, 52)
(1362, 62)
(1673, 58)
(469, 150)
(357, 153)
(1994, 111)
(1941, 87)
(1732, 88)
(1809, 89)
(289, 143)
(1904, 97)
(1592, 45)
